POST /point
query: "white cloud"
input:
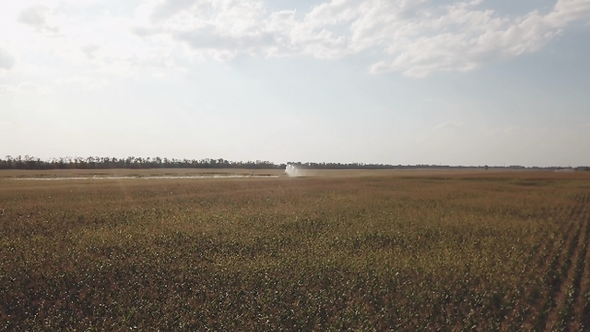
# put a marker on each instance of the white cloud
(26, 88)
(461, 38)
(220, 29)
(37, 17)
(6, 89)
(7, 61)
(86, 83)
(566, 11)
(90, 50)
(416, 38)
(166, 9)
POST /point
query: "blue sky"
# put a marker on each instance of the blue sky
(374, 81)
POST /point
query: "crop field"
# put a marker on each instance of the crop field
(400, 251)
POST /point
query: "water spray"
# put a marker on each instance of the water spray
(292, 171)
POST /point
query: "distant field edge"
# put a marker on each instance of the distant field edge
(468, 173)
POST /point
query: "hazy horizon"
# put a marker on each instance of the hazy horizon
(163, 160)
(384, 82)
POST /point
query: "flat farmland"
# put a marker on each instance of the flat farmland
(343, 250)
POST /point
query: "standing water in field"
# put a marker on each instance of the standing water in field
(292, 171)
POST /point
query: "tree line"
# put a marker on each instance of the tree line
(33, 163)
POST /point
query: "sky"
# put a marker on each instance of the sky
(479, 82)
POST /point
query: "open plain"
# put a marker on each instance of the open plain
(335, 250)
